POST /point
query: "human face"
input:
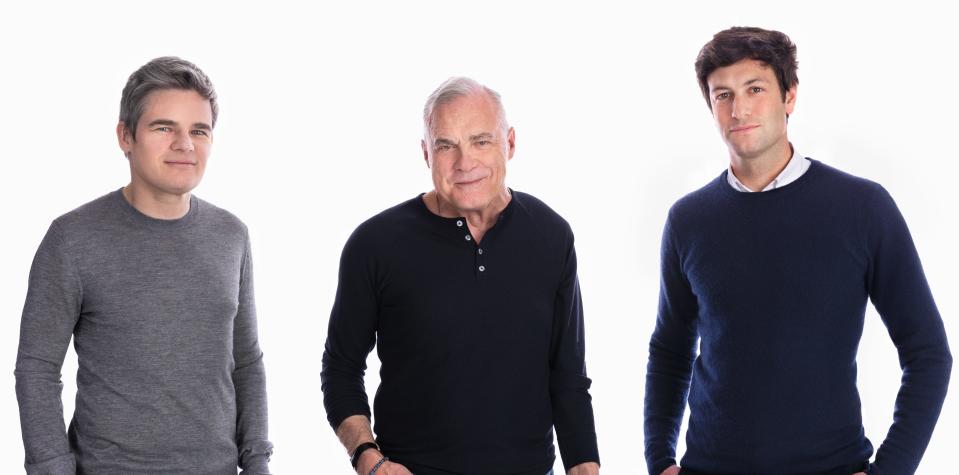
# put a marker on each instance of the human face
(749, 109)
(173, 139)
(467, 149)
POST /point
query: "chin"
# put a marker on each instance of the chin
(470, 203)
(180, 189)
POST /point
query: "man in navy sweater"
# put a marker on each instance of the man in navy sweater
(770, 267)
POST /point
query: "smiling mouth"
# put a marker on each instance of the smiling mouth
(471, 182)
(744, 128)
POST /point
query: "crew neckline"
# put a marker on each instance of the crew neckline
(798, 183)
(138, 217)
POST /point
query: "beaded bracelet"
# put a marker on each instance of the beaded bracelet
(379, 464)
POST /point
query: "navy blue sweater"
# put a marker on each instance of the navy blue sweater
(774, 285)
(482, 346)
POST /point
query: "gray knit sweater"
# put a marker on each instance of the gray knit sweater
(170, 375)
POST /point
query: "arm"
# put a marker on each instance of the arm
(672, 350)
(898, 289)
(50, 314)
(355, 430)
(569, 386)
(249, 380)
(350, 338)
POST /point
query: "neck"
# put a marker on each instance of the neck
(758, 172)
(156, 204)
(478, 220)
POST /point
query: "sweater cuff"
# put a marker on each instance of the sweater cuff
(337, 415)
(62, 465)
(578, 448)
(255, 457)
(657, 467)
(257, 465)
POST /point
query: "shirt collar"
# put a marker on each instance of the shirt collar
(794, 169)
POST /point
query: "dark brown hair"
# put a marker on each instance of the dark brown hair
(742, 42)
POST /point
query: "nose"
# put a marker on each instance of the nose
(742, 108)
(465, 160)
(183, 142)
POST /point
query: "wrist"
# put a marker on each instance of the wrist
(367, 460)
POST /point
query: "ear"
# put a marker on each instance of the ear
(124, 138)
(791, 99)
(511, 141)
(426, 154)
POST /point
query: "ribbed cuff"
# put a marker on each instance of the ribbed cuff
(257, 465)
(255, 457)
(62, 465)
(660, 465)
(577, 449)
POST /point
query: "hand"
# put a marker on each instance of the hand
(671, 470)
(370, 457)
(587, 468)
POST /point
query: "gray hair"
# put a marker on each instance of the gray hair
(456, 87)
(167, 72)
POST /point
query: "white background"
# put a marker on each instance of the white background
(320, 128)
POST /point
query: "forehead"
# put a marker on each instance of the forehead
(180, 105)
(741, 72)
(472, 113)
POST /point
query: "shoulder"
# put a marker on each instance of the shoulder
(839, 181)
(388, 220)
(89, 215)
(542, 217)
(698, 202)
(221, 221)
(383, 228)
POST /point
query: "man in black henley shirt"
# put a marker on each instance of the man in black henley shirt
(469, 293)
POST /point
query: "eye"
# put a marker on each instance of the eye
(199, 132)
(722, 96)
(484, 143)
(443, 147)
(755, 89)
(164, 129)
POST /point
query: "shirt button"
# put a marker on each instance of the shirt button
(482, 268)
(459, 222)
(479, 251)
(468, 238)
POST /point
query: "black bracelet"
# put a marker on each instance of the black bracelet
(378, 464)
(355, 459)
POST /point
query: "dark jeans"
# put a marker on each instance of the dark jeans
(844, 470)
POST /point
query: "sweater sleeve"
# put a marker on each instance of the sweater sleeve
(672, 350)
(568, 383)
(249, 380)
(351, 335)
(50, 314)
(901, 295)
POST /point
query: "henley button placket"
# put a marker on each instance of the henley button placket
(480, 265)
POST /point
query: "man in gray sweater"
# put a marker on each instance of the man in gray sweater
(155, 286)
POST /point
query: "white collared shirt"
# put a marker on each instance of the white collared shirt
(794, 169)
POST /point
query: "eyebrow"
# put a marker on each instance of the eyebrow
(198, 125)
(482, 136)
(728, 88)
(442, 141)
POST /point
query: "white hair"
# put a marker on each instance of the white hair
(456, 87)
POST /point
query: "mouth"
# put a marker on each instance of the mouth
(181, 163)
(743, 128)
(469, 182)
